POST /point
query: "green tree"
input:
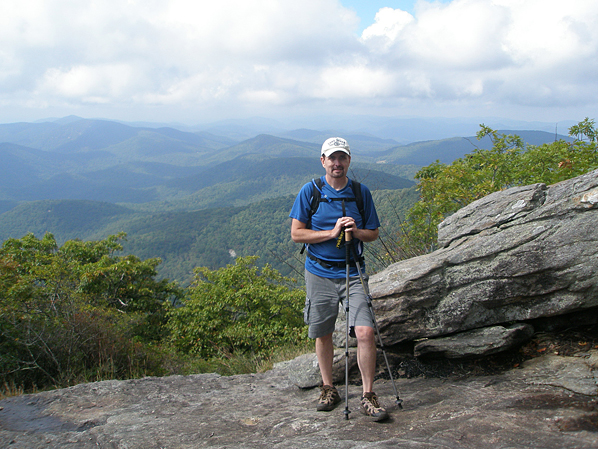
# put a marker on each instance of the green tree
(77, 311)
(584, 130)
(238, 308)
(444, 189)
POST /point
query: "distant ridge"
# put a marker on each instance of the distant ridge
(101, 160)
(447, 150)
(364, 143)
(68, 120)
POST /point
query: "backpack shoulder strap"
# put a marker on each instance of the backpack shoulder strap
(356, 188)
(316, 198)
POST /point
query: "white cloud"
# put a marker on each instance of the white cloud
(389, 23)
(510, 51)
(353, 82)
(234, 56)
(109, 81)
(557, 32)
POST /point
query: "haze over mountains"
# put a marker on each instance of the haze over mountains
(82, 178)
(74, 158)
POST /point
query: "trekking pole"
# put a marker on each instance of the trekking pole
(399, 401)
(347, 269)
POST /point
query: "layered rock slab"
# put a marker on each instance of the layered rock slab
(516, 255)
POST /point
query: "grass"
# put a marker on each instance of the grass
(287, 352)
(231, 363)
(10, 389)
(227, 364)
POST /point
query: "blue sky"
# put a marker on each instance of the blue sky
(194, 61)
(366, 10)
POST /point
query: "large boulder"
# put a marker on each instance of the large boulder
(513, 256)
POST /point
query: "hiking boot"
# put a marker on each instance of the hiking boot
(329, 397)
(371, 407)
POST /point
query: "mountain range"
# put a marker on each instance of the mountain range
(82, 178)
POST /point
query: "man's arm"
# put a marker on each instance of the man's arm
(366, 235)
(301, 234)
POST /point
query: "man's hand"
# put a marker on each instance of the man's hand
(344, 223)
(300, 233)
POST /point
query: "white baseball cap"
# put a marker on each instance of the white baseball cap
(335, 144)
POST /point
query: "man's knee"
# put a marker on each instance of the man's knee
(364, 334)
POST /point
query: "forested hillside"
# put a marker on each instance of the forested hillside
(210, 237)
(190, 198)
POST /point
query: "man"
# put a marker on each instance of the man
(325, 270)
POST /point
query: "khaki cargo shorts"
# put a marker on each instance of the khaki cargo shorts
(322, 303)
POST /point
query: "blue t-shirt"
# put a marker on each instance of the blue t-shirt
(325, 219)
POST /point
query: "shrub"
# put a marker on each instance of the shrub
(238, 308)
(77, 312)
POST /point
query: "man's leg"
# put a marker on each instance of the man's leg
(366, 356)
(366, 359)
(325, 353)
(329, 396)
(320, 314)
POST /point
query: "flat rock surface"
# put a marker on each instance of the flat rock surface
(521, 408)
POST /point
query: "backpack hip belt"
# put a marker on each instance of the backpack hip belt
(330, 264)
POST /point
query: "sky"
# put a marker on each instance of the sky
(197, 61)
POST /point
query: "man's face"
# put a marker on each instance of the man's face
(337, 164)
